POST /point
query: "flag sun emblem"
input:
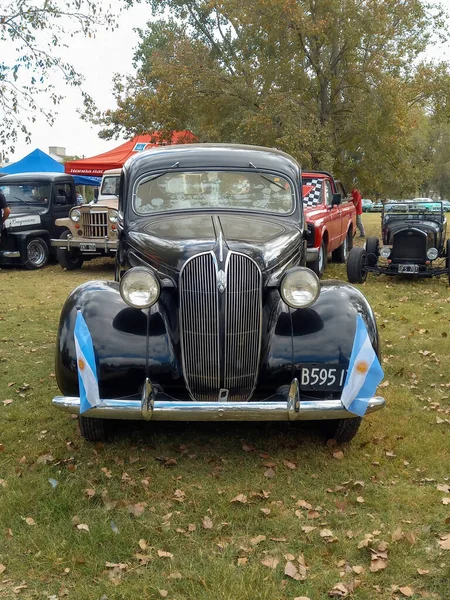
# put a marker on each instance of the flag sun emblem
(81, 364)
(362, 367)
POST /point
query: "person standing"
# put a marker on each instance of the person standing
(5, 211)
(357, 201)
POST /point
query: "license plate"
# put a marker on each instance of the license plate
(88, 247)
(315, 377)
(408, 268)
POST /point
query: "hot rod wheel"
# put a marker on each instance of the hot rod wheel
(372, 250)
(69, 259)
(356, 265)
(37, 253)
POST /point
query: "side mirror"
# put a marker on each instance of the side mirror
(60, 200)
(337, 199)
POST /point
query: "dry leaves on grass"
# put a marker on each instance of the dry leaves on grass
(379, 558)
(240, 498)
(271, 562)
(444, 541)
(164, 554)
(207, 523)
(30, 521)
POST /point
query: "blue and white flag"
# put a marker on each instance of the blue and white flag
(87, 371)
(364, 372)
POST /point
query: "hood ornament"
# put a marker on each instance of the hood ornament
(221, 281)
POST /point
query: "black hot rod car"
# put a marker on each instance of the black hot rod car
(413, 243)
(213, 315)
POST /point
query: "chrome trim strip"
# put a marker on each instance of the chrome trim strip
(275, 409)
(10, 253)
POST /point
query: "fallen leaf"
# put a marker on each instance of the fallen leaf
(207, 523)
(270, 473)
(338, 591)
(289, 465)
(241, 498)
(163, 593)
(90, 492)
(2, 568)
(265, 511)
(270, 562)
(443, 487)
(138, 509)
(83, 527)
(360, 499)
(423, 571)
(164, 554)
(444, 542)
(143, 544)
(291, 571)
(257, 540)
(30, 521)
(397, 535)
(242, 561)
(357, 569)
(377, 564)
(338, 454)
(406, 591)
(445, 500)
(326, 533)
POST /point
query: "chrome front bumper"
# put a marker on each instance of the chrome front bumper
(100, 243)
(158, 407)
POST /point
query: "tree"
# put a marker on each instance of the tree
(338, 84)
(30, 33)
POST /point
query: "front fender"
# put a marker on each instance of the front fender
(119, 335)
(323, 333)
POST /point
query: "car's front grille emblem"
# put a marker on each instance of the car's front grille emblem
(221, 281)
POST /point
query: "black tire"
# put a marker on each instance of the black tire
(372, 250)
(340, 254)
(320, 264)
(37, 253)
(69, 259)
(344, 430)
(94, 430)
(356, 265)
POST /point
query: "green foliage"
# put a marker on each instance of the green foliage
(338, 85)
(30, 34)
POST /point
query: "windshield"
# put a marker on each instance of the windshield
(110, 185)
(413, 207)
(214, 190)
(30, 193)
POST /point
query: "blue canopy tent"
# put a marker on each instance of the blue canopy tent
(40, 162)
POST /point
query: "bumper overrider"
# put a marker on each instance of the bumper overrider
(157, 406)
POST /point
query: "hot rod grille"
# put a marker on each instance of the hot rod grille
(94, 223)
(220, 332)
(409, 245)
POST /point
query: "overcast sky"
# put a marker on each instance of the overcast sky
(98, 59)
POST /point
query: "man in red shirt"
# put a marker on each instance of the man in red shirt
(357, 201)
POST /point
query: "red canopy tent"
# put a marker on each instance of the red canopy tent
(114, 159)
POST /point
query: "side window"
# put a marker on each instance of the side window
(328, 193)
(64, 189)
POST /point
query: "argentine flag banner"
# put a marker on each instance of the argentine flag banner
(87, 371)
(364, 372)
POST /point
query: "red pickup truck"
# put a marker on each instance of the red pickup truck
(330, 218)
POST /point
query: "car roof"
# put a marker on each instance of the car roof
(25, 177)
(227, 156)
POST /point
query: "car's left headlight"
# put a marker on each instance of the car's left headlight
(75, 215)
(113, 216)
(139, 287)
(300, 287)
(432, 253)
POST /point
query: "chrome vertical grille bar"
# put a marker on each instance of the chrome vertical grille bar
(95, 223)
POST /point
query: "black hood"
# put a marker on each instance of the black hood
(429, 228)
(173, 239)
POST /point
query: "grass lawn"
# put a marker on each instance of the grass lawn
(230, 511)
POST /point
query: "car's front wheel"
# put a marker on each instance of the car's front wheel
(356, 265)
(94, 430)
(37, 253)
(372, 250)
(69, 259)
(344, 430)
(319, 265)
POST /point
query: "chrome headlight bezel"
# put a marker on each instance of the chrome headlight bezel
(432, 253)
(75, 215)
(385, 251)
(113, 216)
(296, 280)
(145, 279)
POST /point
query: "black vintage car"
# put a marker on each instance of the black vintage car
(413, 243)
(212, 315)
(35, 200)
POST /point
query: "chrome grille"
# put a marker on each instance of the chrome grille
(94, 223)
(242, 326)
(409, 245)
(220, 333)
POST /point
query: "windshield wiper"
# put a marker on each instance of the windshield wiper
(274, 182)
(22, 200)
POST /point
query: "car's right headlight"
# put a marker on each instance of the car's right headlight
(139, 287)
(385, 252)
(75, 215)
(300, 287)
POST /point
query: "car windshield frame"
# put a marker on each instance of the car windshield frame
(105, 181)
(243, 188)
(22, 193)
(414, 208)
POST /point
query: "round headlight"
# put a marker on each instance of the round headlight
(139, 287)
(113, 216)
(75, 215)
(385, 252)
(300, 287)
(432, 253)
